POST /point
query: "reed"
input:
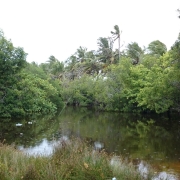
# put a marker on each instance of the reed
(70, 161)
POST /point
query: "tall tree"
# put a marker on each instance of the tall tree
(116, 35)
(52, 59)
(106, 54)
(12, 60)
(157, 48)
(81, 54)
(134, 52)
(178, 12)
(175, 80)
(53, 66)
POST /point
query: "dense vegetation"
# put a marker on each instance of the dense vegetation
(24, 87)
(69, 161)
(134, 79)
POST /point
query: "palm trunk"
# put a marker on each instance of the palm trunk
(119, 46)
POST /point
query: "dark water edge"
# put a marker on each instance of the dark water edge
(152, 138)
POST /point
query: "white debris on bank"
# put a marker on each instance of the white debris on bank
(143, 170)
(98, 145)
(18, 124)
(115, 162)
(164, 176)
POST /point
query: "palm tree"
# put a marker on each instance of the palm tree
(178, 10)
(157, 48)
(135, 52)
(106, 54)
(81, 54)
(51, 59)
(116, 35)
(53, 66)
(57, 68)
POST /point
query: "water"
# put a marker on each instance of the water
(139, 138)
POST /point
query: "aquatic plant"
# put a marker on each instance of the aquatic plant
(72, 160)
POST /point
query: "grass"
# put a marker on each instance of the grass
(70, 161)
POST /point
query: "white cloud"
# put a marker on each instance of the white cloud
(57, 27)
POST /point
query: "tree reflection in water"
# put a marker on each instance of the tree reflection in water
(154, 139)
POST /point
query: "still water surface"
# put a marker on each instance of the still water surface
(153, 139)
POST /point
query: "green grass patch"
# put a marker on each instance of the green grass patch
(70, 161)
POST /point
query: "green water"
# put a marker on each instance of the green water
(154, 139)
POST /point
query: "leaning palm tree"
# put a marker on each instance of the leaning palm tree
(135, 52)
(116, 35)
(51, 59)
(81, 54)
(105, 51)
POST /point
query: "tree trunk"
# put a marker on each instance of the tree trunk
(119, 46)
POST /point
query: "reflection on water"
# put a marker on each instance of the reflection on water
(98, 145)
(151, 139)
(44, 148)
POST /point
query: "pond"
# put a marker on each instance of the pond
(140, 138)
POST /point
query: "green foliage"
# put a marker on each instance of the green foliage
(12, 60)
(156, 94)
(134, 52)
(69, 161)
(143, 81)
(175, 73)
(140, 82)
(148, 61)
(31, 95)
(105, 52)
(35, 94)
(52, 67)
(24, 88)
(145, 88)
(36, 70)
(157, 48)
(79, 91)
(116, 35)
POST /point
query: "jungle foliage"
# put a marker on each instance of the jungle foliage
(133, 80)
(24, 87)
(138, 80)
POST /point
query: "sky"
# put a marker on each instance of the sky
(58, 27)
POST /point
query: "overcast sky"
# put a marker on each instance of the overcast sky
(58, 27)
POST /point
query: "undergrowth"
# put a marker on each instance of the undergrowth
(70, 161)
